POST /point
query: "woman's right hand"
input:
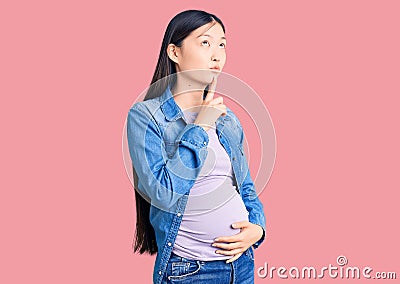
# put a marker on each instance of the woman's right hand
(211, 108)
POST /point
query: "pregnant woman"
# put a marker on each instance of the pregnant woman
(196, 204)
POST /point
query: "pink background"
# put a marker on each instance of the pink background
(327, 71)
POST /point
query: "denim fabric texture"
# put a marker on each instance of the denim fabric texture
(167, 155)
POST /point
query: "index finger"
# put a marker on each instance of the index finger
(211, 90)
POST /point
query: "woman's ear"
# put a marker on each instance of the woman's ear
(172, 51)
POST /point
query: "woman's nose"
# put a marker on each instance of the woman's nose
(216, 54)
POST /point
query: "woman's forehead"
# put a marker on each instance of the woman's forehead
(212, 29)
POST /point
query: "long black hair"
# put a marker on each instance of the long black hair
(177, 30)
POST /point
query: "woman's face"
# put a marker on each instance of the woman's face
(203, 49)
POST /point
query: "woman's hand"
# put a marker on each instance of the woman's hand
(211, 109)
(237, 244)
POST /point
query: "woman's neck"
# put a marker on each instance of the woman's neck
(187, 94)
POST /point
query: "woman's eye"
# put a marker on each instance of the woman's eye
(222, 45)
(205, 42)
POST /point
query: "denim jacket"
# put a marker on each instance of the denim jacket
(167, 155)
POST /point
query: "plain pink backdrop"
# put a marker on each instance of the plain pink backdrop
(328, 71)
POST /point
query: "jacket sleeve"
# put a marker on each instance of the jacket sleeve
(250, 197)
(253, 206)
(164, 180)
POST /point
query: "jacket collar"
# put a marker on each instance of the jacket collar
(169, 107)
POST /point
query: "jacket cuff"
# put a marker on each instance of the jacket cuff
(262, 225)
(194, 134)
(258, 243)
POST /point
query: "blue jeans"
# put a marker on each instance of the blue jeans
(182, 270)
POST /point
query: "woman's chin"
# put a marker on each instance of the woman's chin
(201, 77)
(207, 77)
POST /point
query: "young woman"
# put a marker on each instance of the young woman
(195, 200)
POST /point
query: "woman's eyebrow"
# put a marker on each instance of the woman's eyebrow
(222, 37)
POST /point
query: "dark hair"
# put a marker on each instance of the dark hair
(177, 30)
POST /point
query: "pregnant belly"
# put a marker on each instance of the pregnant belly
(213, 219)
(207, 217)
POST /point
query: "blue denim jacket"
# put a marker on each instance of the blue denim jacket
(167, 155)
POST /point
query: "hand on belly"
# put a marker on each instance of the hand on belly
(235, 245)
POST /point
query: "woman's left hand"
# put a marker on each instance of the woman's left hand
(237, 244)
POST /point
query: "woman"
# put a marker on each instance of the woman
(195, 200)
